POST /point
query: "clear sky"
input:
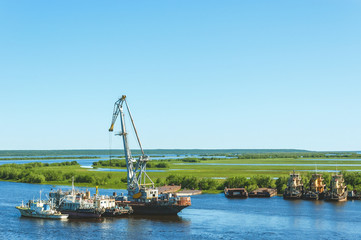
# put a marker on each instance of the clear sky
(198, 74)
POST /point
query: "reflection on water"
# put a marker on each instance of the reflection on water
(164, 219)
(87, 162)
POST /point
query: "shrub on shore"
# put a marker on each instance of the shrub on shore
(191, 182)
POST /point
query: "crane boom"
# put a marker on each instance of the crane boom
(136, 169)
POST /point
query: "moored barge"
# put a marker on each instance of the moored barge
(353, 195)
(263, 193)
(235, 192)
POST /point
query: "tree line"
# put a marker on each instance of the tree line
(121, 163)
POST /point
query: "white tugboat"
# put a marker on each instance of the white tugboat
(40, 209)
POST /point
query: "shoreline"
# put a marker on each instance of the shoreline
(100, 187)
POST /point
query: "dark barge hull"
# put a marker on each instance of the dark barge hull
(239, 196)
(354, 197)
(313, 196)
(81, 215)
(153, 208)
(336, 198)
(263, 193)
(116, 213)
(310, 197)
(235, 193)
(292, 196)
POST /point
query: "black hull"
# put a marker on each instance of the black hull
(292, 197)
(115, 213)
(235, 193)
(313, 196)
(267, 195)
(154, 209)
(354, 198)
(336, 198)
(236, 197)
(81, 215)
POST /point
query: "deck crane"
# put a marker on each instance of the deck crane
(138, 188)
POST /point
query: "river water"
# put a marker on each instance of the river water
(211, 216)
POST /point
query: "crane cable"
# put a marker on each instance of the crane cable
(135, 130)
(110, 149)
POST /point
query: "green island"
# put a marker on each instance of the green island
(210, 173)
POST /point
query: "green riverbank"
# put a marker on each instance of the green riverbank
(210, 178)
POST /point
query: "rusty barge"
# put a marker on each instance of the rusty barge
(263, 193)
(235, 192)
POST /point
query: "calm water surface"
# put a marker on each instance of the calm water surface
(211, 216)
(271, 164)
(88, 162)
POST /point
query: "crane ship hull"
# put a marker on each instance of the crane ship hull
(153, 208)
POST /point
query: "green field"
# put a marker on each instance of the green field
(209, 177)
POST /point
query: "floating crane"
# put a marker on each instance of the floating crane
(136, 169)
(143, 197)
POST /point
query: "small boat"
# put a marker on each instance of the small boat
(353, 195)
(316, 190)
(263, 193)
(83, 205)
(78, 207)
(40, 209)
(338, 189)
(235, 192)
(294, 188)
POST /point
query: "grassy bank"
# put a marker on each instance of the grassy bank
(211, 178)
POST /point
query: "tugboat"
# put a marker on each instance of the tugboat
(353, 195)
(338, 190)
(235, 192)
(82, 205)
(78, 206)
(317, 188)
(40, 209)
(142, 196)
(294, 188)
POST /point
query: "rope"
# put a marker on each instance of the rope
(135, 130)
(110, 149)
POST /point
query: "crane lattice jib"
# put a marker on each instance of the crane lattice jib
(136, 169)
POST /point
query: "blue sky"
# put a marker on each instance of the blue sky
(198, 74)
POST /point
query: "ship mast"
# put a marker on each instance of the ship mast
(136, 169)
